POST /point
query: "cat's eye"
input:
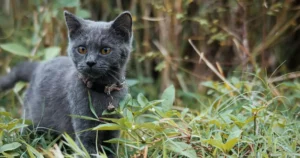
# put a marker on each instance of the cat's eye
(105, 51)
(82, 50)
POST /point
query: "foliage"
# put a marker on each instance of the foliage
(251, 122)
(236, 35)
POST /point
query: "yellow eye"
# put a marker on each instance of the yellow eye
(105, 51)
(82, 50)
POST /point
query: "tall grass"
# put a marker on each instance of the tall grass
(248, 121)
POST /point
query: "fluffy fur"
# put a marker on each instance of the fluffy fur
(56, 91)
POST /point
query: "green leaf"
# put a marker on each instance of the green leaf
(13, 155)
(125, 101)
(277, 128)
(3, 113)
(150, 126)
(84, 117)
(91, 105)
(18, 126)
(230, 144)
(216, 143)
(83, 13)
(108, 126)
(16, 49)
(169, 98)
(184, 112)
(68, 3)
(160, 66)
(51, 52)
(71, 143)
(19, 86)
(131, 82)
(121, 140)
(142, 100)
(9, 147)
(181, 148)
(235, 134)
(129, 115)
(148, 106)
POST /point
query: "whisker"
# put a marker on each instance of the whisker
(114, 77)
(114, 71)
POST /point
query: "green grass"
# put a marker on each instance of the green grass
(258, 120)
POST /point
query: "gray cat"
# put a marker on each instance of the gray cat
(98, 54)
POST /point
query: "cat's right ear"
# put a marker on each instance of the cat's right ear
(73, 23)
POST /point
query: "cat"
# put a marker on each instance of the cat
(98, 53)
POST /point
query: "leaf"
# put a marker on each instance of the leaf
(160, 66)
(209, 84)
(108, 127)
(169, 98)
(125, 101)
(83, 13)
(121, 140)
(184, 112)
(217, 123)
(277, 128)
(9, 147)
(215, 143)
(91, 105)
(71, 143)
(84, 117)
(51, 52)
(181, 148)
(129, 115)
(19, 86)
(68, 3)
(16, 49)
(3, 113)
(142, 100)
(6, 155)
(150, 126)
(148, 106)
(12, 124)
(18, 126)
(230, 144)
(235, 134)
(131, 82)
(133, 103)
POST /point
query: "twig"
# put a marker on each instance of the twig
(153, 19)
(145, 151)
(202, 57)
(291, 75)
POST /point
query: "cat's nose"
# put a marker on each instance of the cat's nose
(91, 63)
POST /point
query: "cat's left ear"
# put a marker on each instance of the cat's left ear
(123, 25)
(73, 22)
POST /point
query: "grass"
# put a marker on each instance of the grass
(251, 120)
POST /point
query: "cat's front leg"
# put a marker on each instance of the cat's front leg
(85, 136)
(91, 143)
(82, 127)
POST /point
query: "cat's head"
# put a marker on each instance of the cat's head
(99, 49)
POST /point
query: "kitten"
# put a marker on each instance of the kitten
(98, 54)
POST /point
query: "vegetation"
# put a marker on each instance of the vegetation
(238, 98)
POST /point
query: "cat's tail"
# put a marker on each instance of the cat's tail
(21, 72)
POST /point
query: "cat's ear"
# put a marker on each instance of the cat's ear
(73, 23)
(123, 25)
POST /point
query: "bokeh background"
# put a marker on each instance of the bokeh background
(237, 36)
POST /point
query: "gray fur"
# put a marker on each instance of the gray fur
(55, 89)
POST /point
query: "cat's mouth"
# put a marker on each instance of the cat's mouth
(93, 72)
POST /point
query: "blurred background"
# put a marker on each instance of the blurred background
(260, 37)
